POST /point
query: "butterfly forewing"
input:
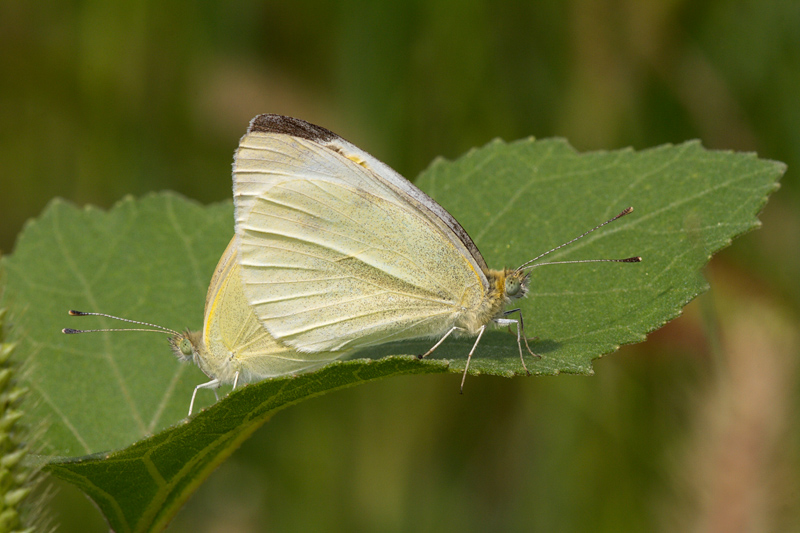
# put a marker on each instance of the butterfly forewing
(333, 258)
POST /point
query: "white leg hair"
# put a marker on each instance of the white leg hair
(213, 384)
(520, 334)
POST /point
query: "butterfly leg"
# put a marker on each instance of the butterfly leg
(521, 330)
(213, 384)
(469, 356)
(439, 342)
(235, 380)
(520, 335)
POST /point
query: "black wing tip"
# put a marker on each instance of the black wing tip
(270, 123)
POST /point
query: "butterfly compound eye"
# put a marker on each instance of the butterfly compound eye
(513, 286)
(186, 347)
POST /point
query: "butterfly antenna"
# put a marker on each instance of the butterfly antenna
(528, 265)
(158, 329)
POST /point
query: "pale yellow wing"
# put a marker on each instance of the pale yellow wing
(337, 253)
(235, 340)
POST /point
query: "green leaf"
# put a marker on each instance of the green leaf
(141, 487)
(152, 259)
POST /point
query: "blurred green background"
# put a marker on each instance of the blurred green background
(696, 429)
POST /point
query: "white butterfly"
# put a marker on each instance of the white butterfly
(338, 251)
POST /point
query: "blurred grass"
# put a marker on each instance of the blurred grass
(103, 99)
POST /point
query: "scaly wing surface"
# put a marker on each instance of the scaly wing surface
(335, 252)
(234, 338)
